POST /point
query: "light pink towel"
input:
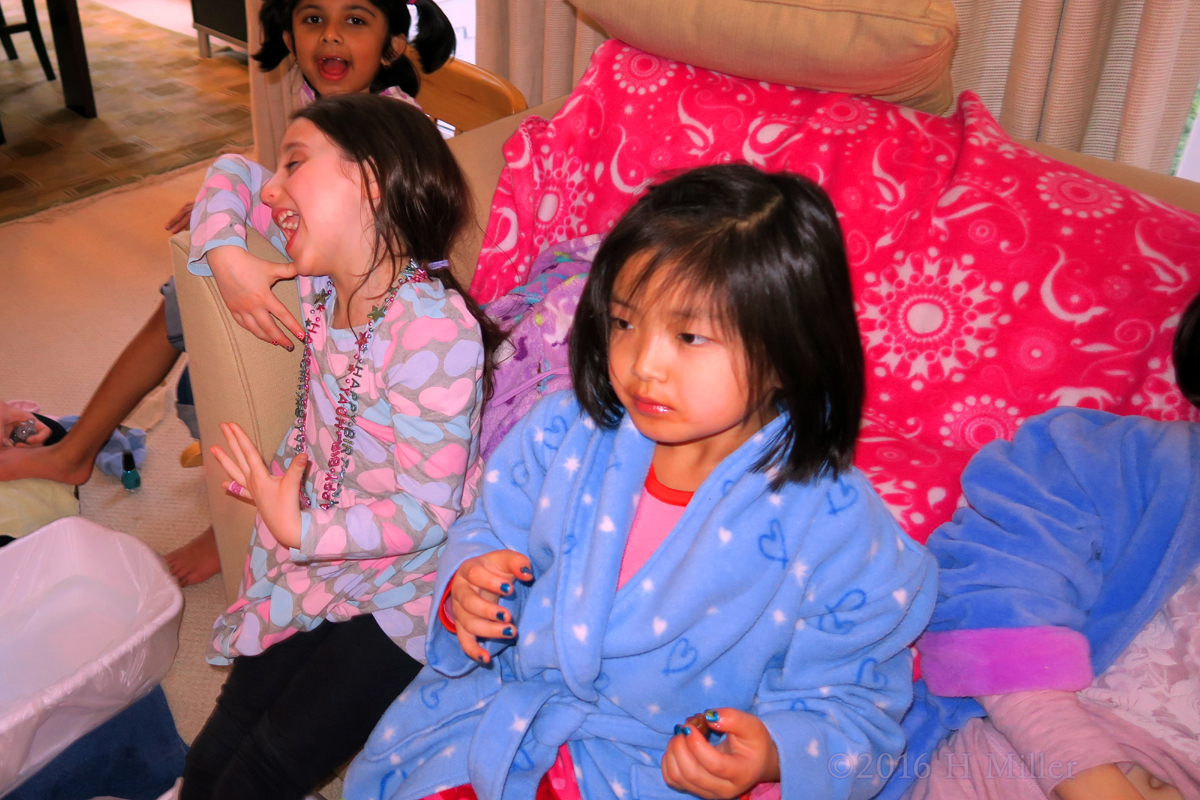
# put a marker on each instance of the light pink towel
(1031, 741)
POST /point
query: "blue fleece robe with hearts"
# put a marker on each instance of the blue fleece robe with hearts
(797, 606)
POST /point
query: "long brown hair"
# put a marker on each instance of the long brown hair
(423, 198)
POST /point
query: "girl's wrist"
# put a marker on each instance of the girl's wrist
(222, 259)
(216, 256)
(290, 533)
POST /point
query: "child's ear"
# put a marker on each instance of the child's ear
(287, 39)
(399, 46)
(372, 186)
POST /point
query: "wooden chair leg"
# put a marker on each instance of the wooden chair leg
(35, 32)
(6, 39)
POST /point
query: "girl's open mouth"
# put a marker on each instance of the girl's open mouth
(288, 221)
(333, 68)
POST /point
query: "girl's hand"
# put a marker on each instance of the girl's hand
(277, 498)
(11, 417)
(245, 283)
(746, 757)
(474, 592)
(1105, 782)
(1151, 787)
(182, 219)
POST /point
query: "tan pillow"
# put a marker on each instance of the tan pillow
(897, 50)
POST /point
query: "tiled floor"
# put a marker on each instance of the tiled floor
(160, 107)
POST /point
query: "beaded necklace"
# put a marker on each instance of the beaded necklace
(346, 409)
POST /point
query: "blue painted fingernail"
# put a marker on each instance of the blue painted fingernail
(679, 730)
(505, 588)
(500, 616)
(712, 716)
(526, 571)
(508, 631)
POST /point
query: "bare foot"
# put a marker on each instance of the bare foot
(196, 561)
(53, 463)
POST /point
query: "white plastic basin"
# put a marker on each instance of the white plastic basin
(89, 623)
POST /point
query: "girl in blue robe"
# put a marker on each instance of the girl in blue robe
(716, 353)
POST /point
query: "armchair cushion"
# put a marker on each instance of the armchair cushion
(897, 50)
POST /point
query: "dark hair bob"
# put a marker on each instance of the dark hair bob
(423, 198)
(434, 42)
(1186, 353)
(767, 250)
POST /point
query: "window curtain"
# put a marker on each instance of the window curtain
(542, 46)
(1109, 78)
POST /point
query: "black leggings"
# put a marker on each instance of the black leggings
(286, 719)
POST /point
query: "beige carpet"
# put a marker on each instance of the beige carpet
(76, 283)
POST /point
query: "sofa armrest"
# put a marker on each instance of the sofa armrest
(235, 378)
(1176, 191)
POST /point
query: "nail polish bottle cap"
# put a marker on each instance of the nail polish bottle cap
(127, 462)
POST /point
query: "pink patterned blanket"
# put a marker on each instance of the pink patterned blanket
(992, 283)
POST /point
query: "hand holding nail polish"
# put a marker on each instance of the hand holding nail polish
(746, 757)
(475, 592)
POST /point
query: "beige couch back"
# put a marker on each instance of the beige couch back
(897, 50)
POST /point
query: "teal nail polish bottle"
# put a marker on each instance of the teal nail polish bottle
(130, 478)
